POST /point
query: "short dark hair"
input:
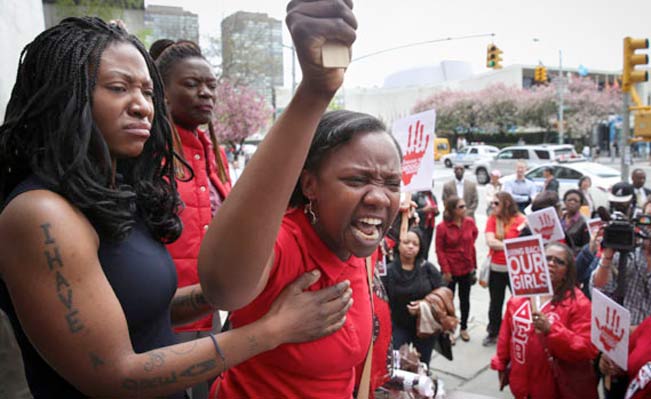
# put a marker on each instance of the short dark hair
(335, 129)
(544, 200)
(575, 192)
(49, 131)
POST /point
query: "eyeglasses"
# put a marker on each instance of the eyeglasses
(460, 206)
(496, 203)
(558, 261)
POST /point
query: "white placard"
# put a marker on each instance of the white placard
(594, 225)
(546, 223)
(415, 134)
(527, 266)
(611, 324)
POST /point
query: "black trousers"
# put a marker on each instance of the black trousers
(497, 283)
(464, 282)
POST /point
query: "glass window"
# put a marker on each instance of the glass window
(567, 173)
(521, 154)
(474, 151)
(507, 154)
(542, 154)
(535, 173)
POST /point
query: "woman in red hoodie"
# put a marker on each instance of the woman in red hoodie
(455, 249)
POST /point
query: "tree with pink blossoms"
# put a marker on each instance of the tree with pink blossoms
(498, 108)
(239, 113)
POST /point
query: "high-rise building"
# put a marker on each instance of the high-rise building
(252, 52)
(171, 23)
(131, 12)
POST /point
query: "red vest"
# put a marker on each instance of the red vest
(195, 213)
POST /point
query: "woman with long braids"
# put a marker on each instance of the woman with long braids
(87, 183)
(190, 93)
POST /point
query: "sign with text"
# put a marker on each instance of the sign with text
(546, 223)
(611, 324)
(527, 266)
(415, 134)
(594, 225)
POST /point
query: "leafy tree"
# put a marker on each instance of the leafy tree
(239, 113)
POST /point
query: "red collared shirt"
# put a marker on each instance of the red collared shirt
(455, 246)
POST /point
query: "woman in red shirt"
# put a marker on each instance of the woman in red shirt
(455, 250)
(344, 202)
(506, 221)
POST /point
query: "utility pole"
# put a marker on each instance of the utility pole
(561, 89)
(624, 148)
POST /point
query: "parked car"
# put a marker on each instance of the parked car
(533, 155)
(568, 174)
(470, 154)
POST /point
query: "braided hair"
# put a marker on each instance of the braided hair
(167, 54)
(49, 131)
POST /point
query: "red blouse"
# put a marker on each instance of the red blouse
(455, 246)
(324, 368)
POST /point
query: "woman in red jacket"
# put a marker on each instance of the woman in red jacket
(455, 250)
(560, 329)
(190, 93)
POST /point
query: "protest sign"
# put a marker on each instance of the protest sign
(594, 225)
(611, 324)
(546, 223)
(527, 266)
(415, 135)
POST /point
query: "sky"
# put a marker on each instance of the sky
(583, 32)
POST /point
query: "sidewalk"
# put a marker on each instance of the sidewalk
(469, 376)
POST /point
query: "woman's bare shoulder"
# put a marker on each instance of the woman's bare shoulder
(30, 216)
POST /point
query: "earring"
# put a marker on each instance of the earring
(310, 213)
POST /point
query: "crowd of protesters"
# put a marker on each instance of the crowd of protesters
(116, 192)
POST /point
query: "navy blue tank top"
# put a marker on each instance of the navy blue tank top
(143, 277)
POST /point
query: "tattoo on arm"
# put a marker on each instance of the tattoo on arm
(96, 361)
(194, 300)
(193, 371)
(63, 286)
(156, 360)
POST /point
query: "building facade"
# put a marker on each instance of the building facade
(132, 12)
(252, 52)
(172, 23)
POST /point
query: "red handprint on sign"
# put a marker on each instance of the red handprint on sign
(417, 142)
(546, 226)
(610, 334)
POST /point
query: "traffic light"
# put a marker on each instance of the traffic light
(630, 75)
(540, 74)
(493, 57)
